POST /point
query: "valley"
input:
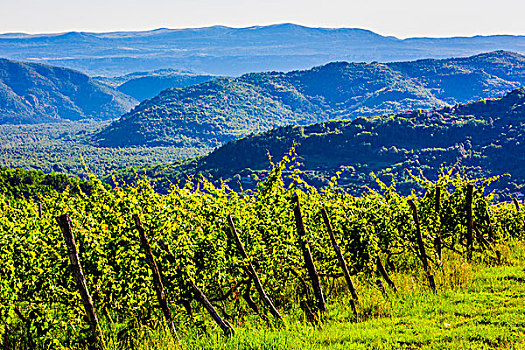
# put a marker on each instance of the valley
(215, 112)
(264, 187)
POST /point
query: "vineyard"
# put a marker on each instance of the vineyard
(75, 268)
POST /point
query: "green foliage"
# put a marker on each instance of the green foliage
(215, 112)
(20, 183)
(142, 86)
(483, 139)
(192, 219)
(65, 148)
(34, 93)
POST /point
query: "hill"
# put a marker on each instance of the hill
(215, 112)
(144, 86)
(20, 183)
(485, 138)
(36, 93)
(228, 51)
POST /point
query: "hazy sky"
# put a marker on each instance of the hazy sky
(401, 18)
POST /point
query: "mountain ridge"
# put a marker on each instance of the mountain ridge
(227, 51)
(224, 109)
(484, 138)
(36, 93)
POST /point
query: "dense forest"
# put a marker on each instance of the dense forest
(215, 112)
(483, 138)
(20, 183)
(65, 148)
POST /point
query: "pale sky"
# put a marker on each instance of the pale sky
(401, 18)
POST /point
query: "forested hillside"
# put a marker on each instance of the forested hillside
(20, 183)
(485, 138)
(64, 148)
(35, 93)
(144, 86)
(215, 112)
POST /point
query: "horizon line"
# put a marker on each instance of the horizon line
(58, 33)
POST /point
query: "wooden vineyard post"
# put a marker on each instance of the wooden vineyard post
(5, 343)
(437, 239)
(64, 221)
(489, 223)
(27, 323)
(421, 246)
(248, 298)
(516, 204)
(307, 255)
(226, 327)
(385, 275)
(157, 282)
(381, 287)
(253, 273)
(304, 303)
(40, 210)
(470, 222)
(341, 259)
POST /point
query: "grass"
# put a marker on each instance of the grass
(478, 306)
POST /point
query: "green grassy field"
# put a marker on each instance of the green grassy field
(477, 302)
(477, 306)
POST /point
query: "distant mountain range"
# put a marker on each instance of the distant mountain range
(221, 110)
(228, 51)
(36, 93)
(485, 138)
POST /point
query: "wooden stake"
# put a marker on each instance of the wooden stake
(252, 272)
(516, 204)
(248, 297)
(157, 282)
(64, 221)
(385, 275)
(307, 255)
(27, 323)
(341, 259)
(6, 344)
(489, 223)
(226, 327)
(481, 239)
(382, 287)
(40, 210)
(437, 239)
(20, 315)
(310, 316)
(470, 222)
(421, 245)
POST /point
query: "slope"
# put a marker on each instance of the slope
(35, 93)
(150, 85)
(215, 112)
(485, 138)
